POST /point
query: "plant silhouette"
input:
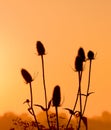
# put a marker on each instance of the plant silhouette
(26, 75)
(56, 101)
(41, 52)
(56, 96)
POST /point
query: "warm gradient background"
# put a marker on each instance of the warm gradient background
(63, 26)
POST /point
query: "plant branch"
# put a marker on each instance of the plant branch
(43, 73)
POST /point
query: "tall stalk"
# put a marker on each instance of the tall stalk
(31, 108)
(87, 93)
(41, 52)
(56, 108)
(79, 76)
(45, 92)
(77, 97)
(90, 55)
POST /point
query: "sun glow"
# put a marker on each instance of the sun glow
(62, 27)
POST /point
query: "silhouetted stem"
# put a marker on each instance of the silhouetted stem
(74, 103)
(87, 87)
(57, 120)
(43, 73)
(79, 75)
(33, 113)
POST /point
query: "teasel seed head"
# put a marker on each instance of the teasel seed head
(90, 55)
(78, 63)
(81, 53)
(26, 75)
(40, 48)
(56, 96)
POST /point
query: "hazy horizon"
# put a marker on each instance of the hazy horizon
(102, 122)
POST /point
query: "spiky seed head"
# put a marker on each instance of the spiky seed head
(90, 55)
(81, 53)
(78, 63)
(26, 75)
(56, 96)
(40, 48)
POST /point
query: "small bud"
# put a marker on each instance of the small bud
(40, 48)
(90, 55)
(81, 53)
(78, 63)
(26, 75)
(27, 101)
(56, 96)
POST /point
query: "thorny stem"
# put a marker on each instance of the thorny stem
(79, 75)
(75, 102)
(87, 87)
(56, 108)
(45, 89)
(33, 113)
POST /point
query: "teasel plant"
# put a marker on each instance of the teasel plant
(80, 58)
(56, 99)
(28, 79)
(41, 52)
(90, 56)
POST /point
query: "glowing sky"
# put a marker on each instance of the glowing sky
(63, 26)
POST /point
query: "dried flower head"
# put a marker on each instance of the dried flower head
(56, 96)
(40, 48)
(26, 75)
(78, 63)
(81, 53)
(90, 55)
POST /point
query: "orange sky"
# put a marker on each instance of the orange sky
(62, 26)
